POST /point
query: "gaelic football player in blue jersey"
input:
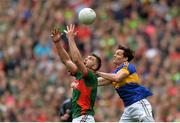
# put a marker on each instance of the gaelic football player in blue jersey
(126, 82)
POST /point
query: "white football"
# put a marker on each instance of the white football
(87, 16)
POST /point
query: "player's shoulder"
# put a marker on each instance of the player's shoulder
(131, 68)
(91, 79)
(130, 65)
(91, 73)
(90, 76)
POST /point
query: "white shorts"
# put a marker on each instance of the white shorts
(140, 111)
(84, 118)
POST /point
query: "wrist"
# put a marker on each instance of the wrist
(70, 38)
(57, 41)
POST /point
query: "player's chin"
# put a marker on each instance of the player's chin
(89, 67)
(115, 63)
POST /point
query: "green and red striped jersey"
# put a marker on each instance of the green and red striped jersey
(84, 94)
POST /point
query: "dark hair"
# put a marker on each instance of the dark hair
(98, 60)
(127, 52)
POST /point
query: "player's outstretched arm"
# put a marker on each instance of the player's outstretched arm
(103, 82)
(64, 56)
(117, 77)
(75, 53)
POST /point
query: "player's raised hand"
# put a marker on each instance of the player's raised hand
(70, 33)
(56, 35)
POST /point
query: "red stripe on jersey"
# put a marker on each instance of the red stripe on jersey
(84, 101)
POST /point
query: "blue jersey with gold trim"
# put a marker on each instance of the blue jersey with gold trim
(129, 89)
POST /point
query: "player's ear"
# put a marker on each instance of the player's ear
(94, 66)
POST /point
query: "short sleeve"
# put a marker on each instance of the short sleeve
(131, 69)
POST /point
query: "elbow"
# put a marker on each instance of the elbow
(64, 62)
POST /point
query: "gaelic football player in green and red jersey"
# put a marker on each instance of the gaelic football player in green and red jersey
(85, 86)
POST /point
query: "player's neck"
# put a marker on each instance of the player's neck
(126, 63)
(123, 63)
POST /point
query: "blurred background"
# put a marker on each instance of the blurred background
(33, 80)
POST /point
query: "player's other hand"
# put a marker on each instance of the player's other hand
(64, 117)
(56, 35)
(70, 32)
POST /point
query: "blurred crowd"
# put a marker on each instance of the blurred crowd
(33, 80)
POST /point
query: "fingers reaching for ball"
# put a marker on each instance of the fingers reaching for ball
(56, 35)
(70, 32)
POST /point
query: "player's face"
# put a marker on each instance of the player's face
(90, 62)
(118, 57)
